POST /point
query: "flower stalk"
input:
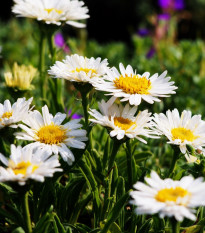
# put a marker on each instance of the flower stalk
(84, 90)
(129, 163)
(58, 82)
(173, 163)
(175, 225)
(42, 45)
(115, 148)
(26, 212)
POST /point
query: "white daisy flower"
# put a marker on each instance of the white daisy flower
(134, 87)
(181, 130)
(122, 120)
(77, 68)
(48, 133)
(52, 11)
(169, 197)
(11, 114)
(25, 163)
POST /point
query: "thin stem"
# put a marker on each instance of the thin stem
(52, 49)
(2, 145)
(175, 226)
(42, 63)
(84, 89)
(173, 163)
(85, 107)
(27, 213)
(58, 82)
(92, 183)
(129, 164)
(115, 148)
(201, 216)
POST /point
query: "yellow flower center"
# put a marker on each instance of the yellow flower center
(123, 123)
(133, 84)
(86, 70)
(21, 167)
(183, 134)
(51, 134)
(171, 194)
(49, 10)
(7, 115)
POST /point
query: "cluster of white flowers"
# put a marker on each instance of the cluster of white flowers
(166, 197)
(50, 137)
(38, 159)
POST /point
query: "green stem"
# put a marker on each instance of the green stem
(87, 173)
(52, 49)
(42, 63)
(84, 89)
(26, 213)
(115, 148)
(173, 163)
(85, 107)
(3, 149)
(129, 164)
(58, 82)
(175, 226)
(201, 216)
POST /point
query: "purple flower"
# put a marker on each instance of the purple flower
(164, 17)
(75, 115)
(179, 4)
(173, 4)
(164, 3)
(143, 32)
(59, 40)
(150, 53)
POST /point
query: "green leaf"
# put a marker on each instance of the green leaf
(82, 228)
(43, 224)
(12, 214)
(106, 152)
(120, 193)
(69, 197)
(141, 156)
(114, 228)
(146, 226)
(97, 156)
(114, 180)
(193, 229)
(59, 225)
(95, 231)
(201, 222)
(6, 188)
(18, 230)
(113, 215)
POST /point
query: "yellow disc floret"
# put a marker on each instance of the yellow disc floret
(123, 123)
(86, 70)
(7, 115)
(49, 10)
(51, 134)
(171, 194)
(21, 168)
(183, 134)
(133, 84)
